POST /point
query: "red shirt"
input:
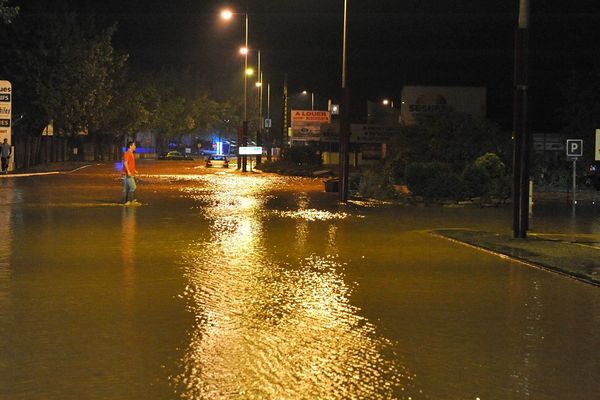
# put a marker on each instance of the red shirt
(129, 159)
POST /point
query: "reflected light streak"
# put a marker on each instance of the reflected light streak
(128, 253)
(273, 330)
(7, 197)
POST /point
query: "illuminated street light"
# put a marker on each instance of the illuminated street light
(258, 84)
(312, 98)
(227, 15)
(386, 102)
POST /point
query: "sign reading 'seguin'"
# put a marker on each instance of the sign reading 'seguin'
(323, 117)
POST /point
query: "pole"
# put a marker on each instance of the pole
(574, 184)
(344, 119)
(259, 141)
(245, 124)
(521, 136)
(312, 101)
(268, 130)
(284, 125)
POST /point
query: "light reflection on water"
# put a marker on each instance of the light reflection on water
(267, 329)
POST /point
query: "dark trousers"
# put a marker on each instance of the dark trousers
(4, 163)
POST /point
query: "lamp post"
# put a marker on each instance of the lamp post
(522, 140)
(227, 15)
(344, 119)
(259, 85)
(312, 99)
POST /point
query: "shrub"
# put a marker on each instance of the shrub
(373, 183)
(434, 181)
(487, 178)
(475, 180)
(303, 155)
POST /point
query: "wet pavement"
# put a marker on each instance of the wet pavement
(224, 285)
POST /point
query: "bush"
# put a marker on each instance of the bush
(487, 178)
(476, 181)
(303, 155)
(375, 184)
(288, 168)
(434, 181)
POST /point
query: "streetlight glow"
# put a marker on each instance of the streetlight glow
(226, 14)
(258, 84)
(244, 50)
(304, 92)
(386, 102)
(249, 71)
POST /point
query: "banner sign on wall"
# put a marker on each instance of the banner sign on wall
(5, 110)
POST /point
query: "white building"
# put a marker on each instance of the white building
(423, 100)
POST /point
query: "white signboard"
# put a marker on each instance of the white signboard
(597, 150)
(5, 110)
(267, 122)
(250, 151)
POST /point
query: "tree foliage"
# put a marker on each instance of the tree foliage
(581, 110)
(451, 138)
(63, 69)
(7, 13)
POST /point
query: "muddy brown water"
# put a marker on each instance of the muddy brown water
(264, 287)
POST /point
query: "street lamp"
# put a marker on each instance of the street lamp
(227, 15)
(344, 118)
(312, 99)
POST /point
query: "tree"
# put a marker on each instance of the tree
(64, 69)
(7, 13)
(450, 138)
(581, 110)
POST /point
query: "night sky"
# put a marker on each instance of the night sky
(391, 43)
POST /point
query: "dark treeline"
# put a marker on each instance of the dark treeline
(67, 76)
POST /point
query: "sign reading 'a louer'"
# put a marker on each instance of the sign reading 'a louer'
(5, 110)
(311, 116)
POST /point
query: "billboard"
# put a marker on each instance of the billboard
(307, 124)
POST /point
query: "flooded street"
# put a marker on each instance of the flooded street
(255, 286)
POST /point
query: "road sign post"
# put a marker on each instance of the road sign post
(574, 151)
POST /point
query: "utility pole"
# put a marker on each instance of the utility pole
(522, 140)
(268, 138)
(284, 125)
(344, 119)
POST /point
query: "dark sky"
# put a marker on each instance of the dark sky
(391, 43)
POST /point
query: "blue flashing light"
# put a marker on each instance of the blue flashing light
(143, 150)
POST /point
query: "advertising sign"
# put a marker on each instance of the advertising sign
(306, 124)
(5, 110)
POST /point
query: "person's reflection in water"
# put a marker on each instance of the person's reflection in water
(128, 252)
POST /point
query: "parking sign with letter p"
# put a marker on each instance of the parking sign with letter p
(574, 148)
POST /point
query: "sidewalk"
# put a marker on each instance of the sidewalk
(48, 169)
(577, 256)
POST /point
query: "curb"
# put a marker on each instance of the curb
(29, 174)
(517, 260)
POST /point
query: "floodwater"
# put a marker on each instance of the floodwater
(222, 286)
